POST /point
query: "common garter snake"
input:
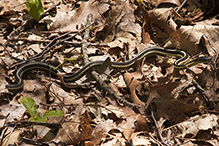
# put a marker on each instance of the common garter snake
(181, 63)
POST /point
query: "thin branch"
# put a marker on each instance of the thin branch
(103, 85)
(51, 45)
(9, 52)
(180, 7)
(158, 127)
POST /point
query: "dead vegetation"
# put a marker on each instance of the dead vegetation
(149, 104)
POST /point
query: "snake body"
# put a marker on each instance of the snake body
(181, 63)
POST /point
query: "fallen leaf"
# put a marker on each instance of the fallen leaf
(120, 21)
(138, 138)
(12, 138)
(196, 126)
(101, 131)
(166, 105)
(133, 123)
(190, 38)
(161, 22)
(70, 132)
(133, 81)
(86, 129)
(70, 20)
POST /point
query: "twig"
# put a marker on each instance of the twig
(158, 127)
(47, 48)
(76, 44)
(31, 141)
(49, 9)
(85, 39)
(103, 85)
(158, 142)
(180, 7)
(10, 134)
(215, 76)
(50, 125)
(57, 105)
(31, 40)
(9, 52)
(202, 89)
(108, 89)
(208, 100)
(39, 55)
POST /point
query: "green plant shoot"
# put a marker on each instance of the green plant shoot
(31, 107)
(34, 7)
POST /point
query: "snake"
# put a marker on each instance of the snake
(182, 62)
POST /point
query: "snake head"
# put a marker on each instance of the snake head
(203, 59)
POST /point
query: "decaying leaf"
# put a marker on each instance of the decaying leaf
(174, 2)
(159, 22)
(101, 131)
(72, 19)
(166, 105)
(139, 138)
(190, 37)
(12, 138)
(196, 127)
(11, 7)
(197, 38)
(120, 22)
(133, 123)
(73, 132)
(132, 80)
(184, 103)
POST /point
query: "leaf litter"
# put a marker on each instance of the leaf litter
(157, 104)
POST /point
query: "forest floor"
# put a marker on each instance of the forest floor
(151, 102)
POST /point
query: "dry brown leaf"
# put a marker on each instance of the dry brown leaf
(3, 76)
(141, 123)
(42, 131)
(206, 80)
(131, 123)
(166, 105)
(120, 22)
(132, 81)
(126, 112)
(12, 138)
(58, 95)
(14, 110)
(159, 24)
(174, 2)
(69, 21)
(12, 7)
(105, 69)
(35, 89)
(138, 138)
(198, 38)
(197, 126)
(114, 138)
(120, 42)
(135, 122)
(69, 133)
(86, 129)
(115, 89)
(146, 39)
(29, 86)
(77, 129)
(101, 131)
(128, 126)
(118, 112)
